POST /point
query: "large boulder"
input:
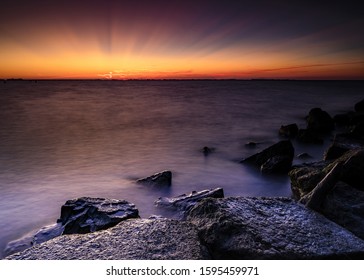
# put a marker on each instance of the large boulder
(270, 228)
(309, 136)
(160, 179)
(134, 239)
(86, 214)
(320, 121)
(184, 202)
(274, 159)
(345, 206)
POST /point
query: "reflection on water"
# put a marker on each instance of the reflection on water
(61, 140)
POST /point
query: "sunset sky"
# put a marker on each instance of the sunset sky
(181, 39)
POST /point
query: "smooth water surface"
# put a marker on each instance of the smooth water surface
(65, 139)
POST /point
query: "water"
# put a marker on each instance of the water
(65, 139)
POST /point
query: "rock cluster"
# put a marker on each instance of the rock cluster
(274, 159)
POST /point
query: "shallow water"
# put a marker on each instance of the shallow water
(65, 139)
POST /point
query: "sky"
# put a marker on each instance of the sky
(181, 39)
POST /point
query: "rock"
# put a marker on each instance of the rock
(304, 156)
(251, 144)
(270, 228)
(359, 107)
(88, 214)
(345, 206)
(184, 202)
(319, 121)
(162, 179)
(207, 150)
(134, 239)
(276, 158)
(44, 234)
(309, 136)
(304, 178)
(289, 131)
(341, 144)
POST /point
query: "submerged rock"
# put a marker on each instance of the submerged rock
(160, 179)
(88, 214)
(184, 202)
(134, 239)
(274, 159)
(207, 150)
(270, 228)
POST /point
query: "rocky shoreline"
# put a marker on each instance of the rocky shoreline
(324, 219)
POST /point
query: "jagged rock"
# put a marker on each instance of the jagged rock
(319, 121)
(184, 202)
(160, 179)
(270, 228)
(276, 158)
(305, 178)
(133, 239)
(289, 130)
(88, 214)
(359, 107)
(309, 136)
(341, 144)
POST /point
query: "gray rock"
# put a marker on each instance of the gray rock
(160, 179)
(345, 206)
(88, 214)
(184, 202)
(133, 239)
(276, 158)
(270, 228)
(341, 144)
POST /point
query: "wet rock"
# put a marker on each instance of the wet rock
(161, 179)
(270, 228)
(289, 131)
(276, 158)
(251, 144)
(88, 214)
(341, 144)
(309, 136)
(184, 202)
(359, 107)
(134, 239)
(207, 150)
(277, 164)
(44, 234)
(304, 156)
(319, 121)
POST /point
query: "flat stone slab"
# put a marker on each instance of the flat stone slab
(133, 239)
(270, 228)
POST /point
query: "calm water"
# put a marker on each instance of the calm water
(62, 140)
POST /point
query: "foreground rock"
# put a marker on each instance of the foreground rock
(134, 239)
(184, 202)
(161, 179)
(270, 228)
(274, 159)
(88, 214)
(81, 215)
